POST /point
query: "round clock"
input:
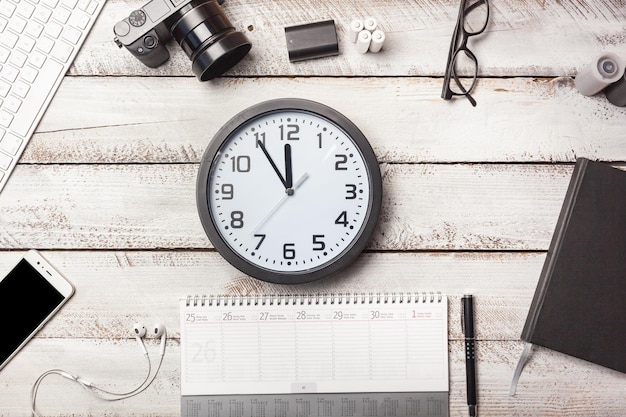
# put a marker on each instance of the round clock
(289, 191)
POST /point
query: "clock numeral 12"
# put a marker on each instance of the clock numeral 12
(291, 131)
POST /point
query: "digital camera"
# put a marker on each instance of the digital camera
(198, 26)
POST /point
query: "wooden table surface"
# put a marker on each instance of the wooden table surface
(106, 190)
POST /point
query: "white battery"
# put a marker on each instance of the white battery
(363, 41)
(355, 27)
(378, 38)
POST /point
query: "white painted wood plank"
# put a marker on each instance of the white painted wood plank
(130, 120)
(116, 289)
(532, 38)
(425, 207)
(552, 385)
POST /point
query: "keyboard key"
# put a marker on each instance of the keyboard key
(25, 9)
(70, 4)
(29, 74)
(12, 104)
(5, 87)
(5, 118)
(79, 20)
(20, 88)
(4, 54)
(45, 44)
(61, 15)
(37, 59)
(7, 8)
(5, 161)
(9, 73)
(53, 29)
(18, 59)
(17, 24)
(61, 51)
(34, 29)
(72, 35)
(10, 144)
(9, 39)
(43, 14)
(26, 43)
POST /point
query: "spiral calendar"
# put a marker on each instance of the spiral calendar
(314, 355)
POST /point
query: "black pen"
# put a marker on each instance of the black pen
(467, 321)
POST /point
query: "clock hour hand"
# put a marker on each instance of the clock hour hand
(288, 181)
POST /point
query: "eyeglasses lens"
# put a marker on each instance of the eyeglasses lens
(465, 65)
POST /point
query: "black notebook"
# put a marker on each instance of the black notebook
(579, 307)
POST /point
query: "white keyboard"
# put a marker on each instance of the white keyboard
(39, 40)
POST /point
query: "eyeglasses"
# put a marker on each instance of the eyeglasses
(471, 21)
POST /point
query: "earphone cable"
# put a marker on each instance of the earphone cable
(93, 390)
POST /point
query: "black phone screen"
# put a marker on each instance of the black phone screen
(26, 299)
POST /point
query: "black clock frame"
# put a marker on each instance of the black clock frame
(337, 263)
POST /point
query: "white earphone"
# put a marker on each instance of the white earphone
(139, 332)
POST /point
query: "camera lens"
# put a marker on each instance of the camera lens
(208, 38)
(607, 67)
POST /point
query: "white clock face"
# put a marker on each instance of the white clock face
(290, 191)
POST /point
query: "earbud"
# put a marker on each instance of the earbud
(158, 330)
(139, 331)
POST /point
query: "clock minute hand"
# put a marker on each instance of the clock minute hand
(273, 164)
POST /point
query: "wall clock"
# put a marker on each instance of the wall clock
(289, 191)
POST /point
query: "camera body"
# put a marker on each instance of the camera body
(198, 26)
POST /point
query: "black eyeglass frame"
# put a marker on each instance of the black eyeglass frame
(456, 48)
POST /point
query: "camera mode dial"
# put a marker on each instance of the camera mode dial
(137, 18)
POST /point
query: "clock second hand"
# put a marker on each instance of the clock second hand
(280, 203)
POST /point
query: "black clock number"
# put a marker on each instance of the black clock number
(340, 164)
(318, 242)
(351, 190)
(262, 238)
(236, 219)
(259, 137)
(241, 163)
(289, 251)
(342, 219)
(319, 140)
(291, 131)
(227, 191)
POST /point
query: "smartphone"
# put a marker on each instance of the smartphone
(30, 294)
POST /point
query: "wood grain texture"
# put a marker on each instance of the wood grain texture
(156, 120)
(425, 207)
(524, 38)
(554, 385)
(106, 189)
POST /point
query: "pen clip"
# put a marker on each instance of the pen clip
(462, 316)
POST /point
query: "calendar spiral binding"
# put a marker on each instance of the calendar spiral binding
(314, 299)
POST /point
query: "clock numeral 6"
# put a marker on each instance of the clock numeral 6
(240, 163)
(236, 219)
(289, 251)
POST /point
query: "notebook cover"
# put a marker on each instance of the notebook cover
(579, 306)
